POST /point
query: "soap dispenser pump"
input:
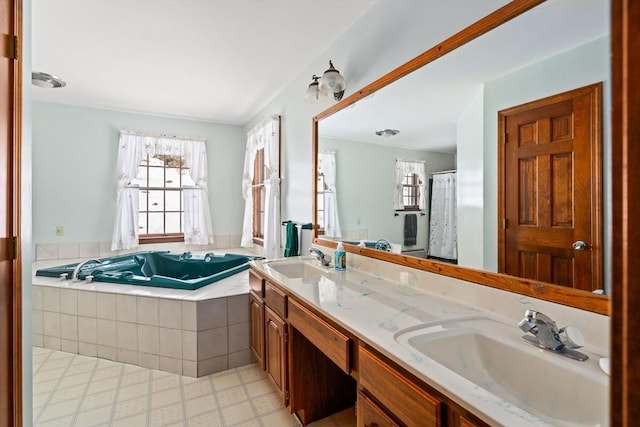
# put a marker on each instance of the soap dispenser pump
(340, 257)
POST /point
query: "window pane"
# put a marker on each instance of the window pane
(172, 179)
(156, 223)
(173, 224)
(321, 219)
(142, 204)
(156, 177)
(156, 200)
(172, 200)
(142, 223)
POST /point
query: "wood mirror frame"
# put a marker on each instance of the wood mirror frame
(546, 291)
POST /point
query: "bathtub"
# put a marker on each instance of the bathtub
(161, 269)
(188, 332)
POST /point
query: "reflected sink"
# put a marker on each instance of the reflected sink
(296, 268)
(490, 354)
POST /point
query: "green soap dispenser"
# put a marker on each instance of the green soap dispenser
(340, 257)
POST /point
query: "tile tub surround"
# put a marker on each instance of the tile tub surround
(72, 250)
(374, 299)
(192, 333)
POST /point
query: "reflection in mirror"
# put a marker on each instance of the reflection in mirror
(447, 117)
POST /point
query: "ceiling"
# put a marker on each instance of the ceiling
(213, 60)
(426, 105)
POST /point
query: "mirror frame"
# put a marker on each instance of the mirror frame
(559, 294)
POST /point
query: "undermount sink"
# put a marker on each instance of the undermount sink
(296, 268)
(490, 354)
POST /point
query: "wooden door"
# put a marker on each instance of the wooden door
(10, 277)
(551, 198)
(275, 353)
(256, 324)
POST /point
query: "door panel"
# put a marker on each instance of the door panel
(550, 160)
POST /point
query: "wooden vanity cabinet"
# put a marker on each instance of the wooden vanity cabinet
(256, 325)
(401, 398)
(268, 334)
(256, 317)
(276, 337)
(275, 354)
(371, 415)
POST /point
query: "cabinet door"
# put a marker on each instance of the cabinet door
(276, 352)
(256, 333)
(371, 415)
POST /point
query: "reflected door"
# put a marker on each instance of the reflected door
(550, 158)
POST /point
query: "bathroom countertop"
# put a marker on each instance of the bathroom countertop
(374, 308)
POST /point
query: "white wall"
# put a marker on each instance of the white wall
(365, 175)
(579, 67)
(470, 131)
(74, 166)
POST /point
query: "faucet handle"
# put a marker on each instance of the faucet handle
(571, 337)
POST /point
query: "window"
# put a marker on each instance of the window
(409, 194)
(258, 189)
(161, 178)
(411, 184)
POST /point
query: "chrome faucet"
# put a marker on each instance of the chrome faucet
(76, 271)
(383, 245)
(324, 259)
(546, 335)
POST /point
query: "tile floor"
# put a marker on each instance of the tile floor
(74, 390)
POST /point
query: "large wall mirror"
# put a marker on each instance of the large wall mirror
(445, 109)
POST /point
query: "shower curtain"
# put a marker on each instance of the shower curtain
(443, 225)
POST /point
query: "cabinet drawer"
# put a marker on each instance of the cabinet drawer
(370, 415)
(256, 283)
(276, 299)
(409, 403)
(333, 343)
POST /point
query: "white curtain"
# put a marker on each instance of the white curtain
(443, 226)
(404, 168)
(132, 147)
(247, 191)
(198, 229)
(131, 150)
(331, 218)
(271, 134)
(264, 136)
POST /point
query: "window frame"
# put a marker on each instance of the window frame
(412, 183)
(260, 173)
(165, 237)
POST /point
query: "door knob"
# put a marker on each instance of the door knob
(579, 245)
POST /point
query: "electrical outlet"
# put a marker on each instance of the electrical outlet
(59, 230)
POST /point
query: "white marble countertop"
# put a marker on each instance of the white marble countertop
(375, 308)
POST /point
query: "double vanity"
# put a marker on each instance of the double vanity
(409, 347)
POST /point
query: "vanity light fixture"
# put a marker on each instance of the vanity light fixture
(47, 81)
(320, 88)
(387, 132)
(314, 95)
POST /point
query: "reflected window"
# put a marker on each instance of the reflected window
(411, 184)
